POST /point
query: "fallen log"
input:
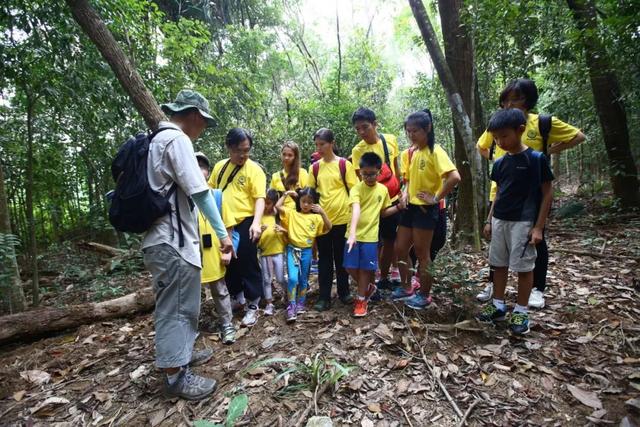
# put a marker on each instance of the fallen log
(34, 323)
(103, 249)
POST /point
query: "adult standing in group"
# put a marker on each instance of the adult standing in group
(243, 183)
(171, 246)
(386, 147)
(332, 177)
(523, 95)
(291, 176)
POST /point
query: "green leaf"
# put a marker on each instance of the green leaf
(236, 409)
(205, 423)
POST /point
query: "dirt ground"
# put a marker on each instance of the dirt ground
(580, 365)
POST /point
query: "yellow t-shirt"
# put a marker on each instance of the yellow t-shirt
(271, 242)
(404, 164)
(248, 185)
(362, 147)
(426, 172)
(560, 132)
(276, 184)
(334, 198)
(372, 201)
(212, 267)
(302, 228)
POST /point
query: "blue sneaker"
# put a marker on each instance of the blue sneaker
(490, 313)
(314, 267)
(519, 323)
(401, 294)
(418, 302)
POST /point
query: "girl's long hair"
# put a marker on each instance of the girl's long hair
(292, 179)
(423, 119)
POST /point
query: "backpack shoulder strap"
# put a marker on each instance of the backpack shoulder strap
(222, 170)
(315, 168)
(387, 160)
(156, 132)
(412, 150)
(492, 149)
(544, 127)
(282, 179)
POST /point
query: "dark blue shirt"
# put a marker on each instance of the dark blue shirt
(519, 178)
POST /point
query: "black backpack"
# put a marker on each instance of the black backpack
(544, 127)
(134, 205)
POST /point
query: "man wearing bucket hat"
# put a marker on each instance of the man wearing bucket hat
(171, 246)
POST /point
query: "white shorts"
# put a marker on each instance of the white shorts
(510, 245)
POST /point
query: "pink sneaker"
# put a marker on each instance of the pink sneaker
(395, 274)
(415, 282)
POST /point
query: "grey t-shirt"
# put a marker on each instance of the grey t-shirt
(172, 159)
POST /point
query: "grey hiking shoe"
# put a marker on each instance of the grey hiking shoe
(228, 334)
(200, 357)
(190, 386)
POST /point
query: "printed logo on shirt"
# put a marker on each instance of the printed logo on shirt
(532, 134)
(422, 165)
(241, 180)
(312, 227)
(379, 198)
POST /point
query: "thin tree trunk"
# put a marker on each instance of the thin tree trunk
(339, 48)
(460, 116)
(32, 243)
(17, 301)
(458, 50)
(94, 27)
(608, 102)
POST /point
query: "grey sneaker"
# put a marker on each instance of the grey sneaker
(200, 357)
(250, 317)
(486, 293)
(190, 386)
(228, 334)
(269, 309)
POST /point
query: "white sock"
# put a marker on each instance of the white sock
(360, 298)
(499, 304)
(520, 309)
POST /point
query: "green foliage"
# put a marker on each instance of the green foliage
(8, 245)
(237, 408)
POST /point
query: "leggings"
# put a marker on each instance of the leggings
(330, 254)
(243, 273)
(272, 266)
(298, 265)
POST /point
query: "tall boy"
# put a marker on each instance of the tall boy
(369, 200)
(517, 216)
(366, 126)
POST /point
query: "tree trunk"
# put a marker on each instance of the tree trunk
(608, 102)
(16, 299)
(32, 243)
(51, 319)
(94, 27)
(458, 50)
(460, 116)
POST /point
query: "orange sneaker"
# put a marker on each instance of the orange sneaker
(360, 308)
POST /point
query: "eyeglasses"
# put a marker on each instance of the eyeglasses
(240, 151)
(369, 174)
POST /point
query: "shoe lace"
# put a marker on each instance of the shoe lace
(518, 318)
(489, 309)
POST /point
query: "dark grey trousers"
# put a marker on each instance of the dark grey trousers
(176, 285)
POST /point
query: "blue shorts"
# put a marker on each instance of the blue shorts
(363, 256)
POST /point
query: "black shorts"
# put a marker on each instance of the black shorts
(420, 216)
(389, 226)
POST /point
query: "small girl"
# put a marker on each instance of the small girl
(303, 225)
(271, 246)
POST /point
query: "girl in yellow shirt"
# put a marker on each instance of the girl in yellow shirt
(303, 225)
(291, 176)
(271, 249)
(429, 166)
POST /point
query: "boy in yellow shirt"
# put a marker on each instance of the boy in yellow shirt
(214, 263)
(369, 201)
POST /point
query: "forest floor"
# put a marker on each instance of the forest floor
(579, 365)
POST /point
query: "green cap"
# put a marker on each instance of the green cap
(186, 99)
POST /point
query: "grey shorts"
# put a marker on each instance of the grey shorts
(510, 245)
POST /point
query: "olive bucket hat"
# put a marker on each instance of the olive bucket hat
(186, 99)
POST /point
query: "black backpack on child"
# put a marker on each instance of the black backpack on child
(134, 205)
(544, 127)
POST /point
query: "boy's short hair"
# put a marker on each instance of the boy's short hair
(510, 118)
(370, 160)
(363, 114)
(521, 87)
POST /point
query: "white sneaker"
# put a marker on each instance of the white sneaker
(269, 309)
(250, 317)
(536, 299)
(486, 293)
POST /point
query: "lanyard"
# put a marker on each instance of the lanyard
(230, 179)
